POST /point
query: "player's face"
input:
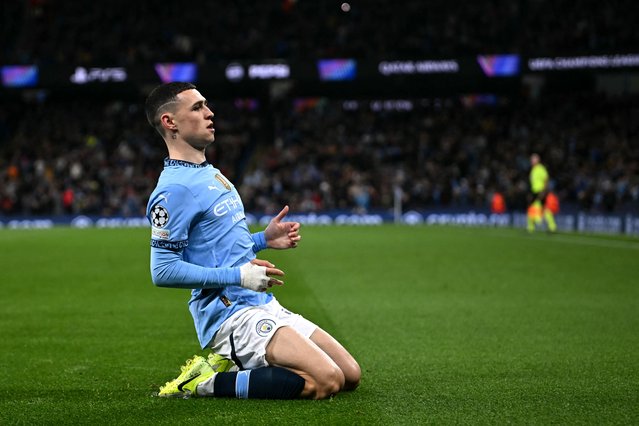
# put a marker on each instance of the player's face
(534, 160)
(194, 119)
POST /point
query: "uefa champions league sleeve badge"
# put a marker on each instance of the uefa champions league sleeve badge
(159, 219)
(159, 216)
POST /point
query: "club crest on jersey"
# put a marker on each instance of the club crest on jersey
(223, 181)
(159, 216)
(264, 327)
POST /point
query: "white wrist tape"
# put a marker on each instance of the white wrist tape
(254, 277)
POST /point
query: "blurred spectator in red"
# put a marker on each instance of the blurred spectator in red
(497, 203)
(552, 202)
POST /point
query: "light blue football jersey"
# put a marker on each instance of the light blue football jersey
(199, 239)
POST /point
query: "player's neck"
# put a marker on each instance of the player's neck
(185, 152)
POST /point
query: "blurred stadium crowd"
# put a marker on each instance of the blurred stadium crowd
(121, 32)
(103, 158)
(99, 156)
(449, 153)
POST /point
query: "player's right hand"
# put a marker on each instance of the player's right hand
(255, 275)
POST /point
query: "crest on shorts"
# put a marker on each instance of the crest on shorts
(264, 327)
(159, 216)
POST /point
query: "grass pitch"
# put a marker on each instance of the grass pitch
(450, 325)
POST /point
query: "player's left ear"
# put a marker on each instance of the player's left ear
(167, 121)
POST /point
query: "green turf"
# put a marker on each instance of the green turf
(450, 325)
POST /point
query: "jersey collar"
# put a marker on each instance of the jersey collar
(168, 162)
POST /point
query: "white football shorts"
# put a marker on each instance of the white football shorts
(244, 336)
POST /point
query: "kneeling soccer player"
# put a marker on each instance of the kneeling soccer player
(200, 241)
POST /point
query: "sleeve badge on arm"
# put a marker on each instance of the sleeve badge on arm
(159, 219)
(159, 216)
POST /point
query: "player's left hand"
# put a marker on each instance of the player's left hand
(282, 235)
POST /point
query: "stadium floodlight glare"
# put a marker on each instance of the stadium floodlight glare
(499, 65)
(20, 75)
(177, 71)
(337, 69)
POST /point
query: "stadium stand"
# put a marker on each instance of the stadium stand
(102, 157)
(124, 32)
(99, 156)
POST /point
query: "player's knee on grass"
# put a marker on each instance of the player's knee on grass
(352, 376)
